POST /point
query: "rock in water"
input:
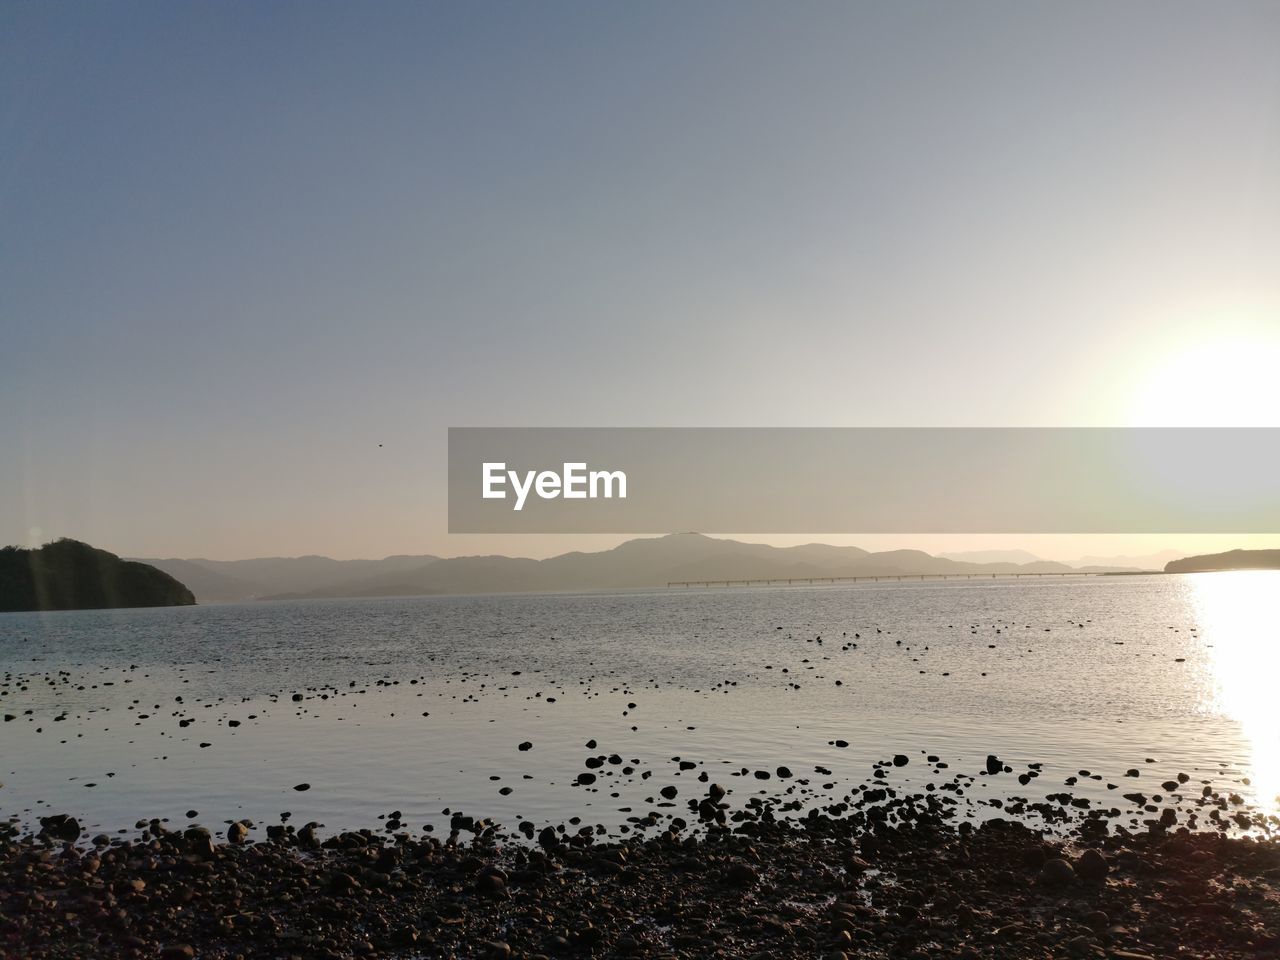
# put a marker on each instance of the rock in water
(60, 827)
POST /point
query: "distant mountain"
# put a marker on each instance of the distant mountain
(1149, 561)
(70, 575)
(654, 562)
(208, 585)
(1231, 560)
(992, 556)
(223, 581)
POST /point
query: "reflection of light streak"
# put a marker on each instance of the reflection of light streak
(1237, 614)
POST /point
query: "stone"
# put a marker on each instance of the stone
(60, 827)
(1057, 872)
(1092, 865)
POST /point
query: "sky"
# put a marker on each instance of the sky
(255, 259)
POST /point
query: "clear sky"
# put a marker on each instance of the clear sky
(243, 244)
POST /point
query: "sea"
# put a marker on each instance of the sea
(583, 708)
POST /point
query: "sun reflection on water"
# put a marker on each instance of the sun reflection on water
(1238, 614)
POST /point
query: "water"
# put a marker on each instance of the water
(416, 705)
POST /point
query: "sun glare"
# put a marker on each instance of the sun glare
(1224, 381)
(1237, 612)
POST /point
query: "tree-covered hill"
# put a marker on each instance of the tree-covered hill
(70, 575)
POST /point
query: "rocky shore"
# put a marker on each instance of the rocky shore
(902, 884)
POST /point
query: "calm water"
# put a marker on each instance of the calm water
(417, 705)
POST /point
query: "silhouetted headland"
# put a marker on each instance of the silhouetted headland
(70, 575)
(1231, 560)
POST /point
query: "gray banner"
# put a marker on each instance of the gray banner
(859, 480)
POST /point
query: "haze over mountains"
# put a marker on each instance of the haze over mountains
(222, 581)
(992, 556)
(1148, 561)
(649, 562)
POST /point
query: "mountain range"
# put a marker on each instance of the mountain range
(1147, 561)
(223, 581)
(649, 562)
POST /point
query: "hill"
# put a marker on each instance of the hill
(1231, 560)
(992, 556)
(1146, 561)
(70, 575)
(232, 581)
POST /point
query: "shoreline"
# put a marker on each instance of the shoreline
(900, 883)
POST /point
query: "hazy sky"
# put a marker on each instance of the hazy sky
(243, 244)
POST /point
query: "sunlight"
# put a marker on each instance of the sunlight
(1220, 381)
(1237, 614)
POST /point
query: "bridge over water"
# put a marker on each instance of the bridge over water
(772, 581)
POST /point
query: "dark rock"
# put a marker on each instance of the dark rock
(342, 882)
(491, 884)
(60, 827)
(199, 842)
(1092, 865)
(1057, 872)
